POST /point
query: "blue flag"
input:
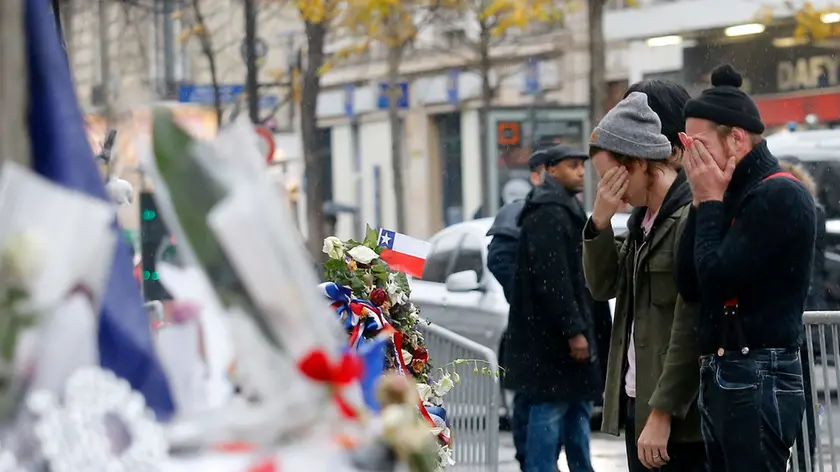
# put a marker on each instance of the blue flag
(61, 153)
(372, 354)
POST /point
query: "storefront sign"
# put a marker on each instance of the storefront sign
(767, 69)
(807, 73)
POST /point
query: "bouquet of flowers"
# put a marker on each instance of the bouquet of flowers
(302, 394)
(372, 300)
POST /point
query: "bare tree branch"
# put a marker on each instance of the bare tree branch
(209, 54)
(127, 15)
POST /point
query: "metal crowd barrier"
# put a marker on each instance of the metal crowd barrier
(821, 425)
(472, 407)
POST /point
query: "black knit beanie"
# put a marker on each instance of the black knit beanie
(725, 103)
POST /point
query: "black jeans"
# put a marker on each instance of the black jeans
(751, 408)
(685, 457)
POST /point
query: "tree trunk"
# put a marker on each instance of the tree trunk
(394, 59)
(597, 81)
(485, 67)
(207, 50)
(598, 59)
(316, 34)
(14, 137)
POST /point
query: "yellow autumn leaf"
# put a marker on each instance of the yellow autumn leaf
(185, 35)
(277, 74)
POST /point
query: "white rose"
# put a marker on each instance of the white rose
(445, 454)
(334, 248)
(20, 259)
(444, 385)
(363, 254)
(425, 391)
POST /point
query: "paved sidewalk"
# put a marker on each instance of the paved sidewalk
(607, 454)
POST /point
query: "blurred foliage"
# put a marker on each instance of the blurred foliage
(811, 23)
(396, 23)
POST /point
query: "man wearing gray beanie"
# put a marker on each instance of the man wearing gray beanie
(632, 129)
(657, 393)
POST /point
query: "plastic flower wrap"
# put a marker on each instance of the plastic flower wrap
(244, 263)
(49, 286)
(67, 409)
(234, 224)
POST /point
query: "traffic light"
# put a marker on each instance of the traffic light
(153, 233)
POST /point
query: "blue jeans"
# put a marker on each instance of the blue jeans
(751, 408)
(549, 426)
(519, 427)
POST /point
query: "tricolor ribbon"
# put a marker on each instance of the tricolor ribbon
(424, 412)
(438, 416)
(318, 367)
(360, 317)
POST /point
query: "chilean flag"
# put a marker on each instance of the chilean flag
(403, 253)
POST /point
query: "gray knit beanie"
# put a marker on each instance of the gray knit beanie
(632, 129)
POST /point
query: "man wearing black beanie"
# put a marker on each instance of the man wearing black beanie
(745, 256)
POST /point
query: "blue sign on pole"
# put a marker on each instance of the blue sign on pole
(452, 85)
(402, 99)
(203, 94)
(269, 101)
(532, 76)
(349, 100)
(228, 93)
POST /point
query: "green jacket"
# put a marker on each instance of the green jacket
(667, 351)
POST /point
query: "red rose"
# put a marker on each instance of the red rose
(420, 354)
(378, 297)
(417, 365)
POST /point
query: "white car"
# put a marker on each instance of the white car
(459, 293)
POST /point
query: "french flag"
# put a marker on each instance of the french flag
(403, 253)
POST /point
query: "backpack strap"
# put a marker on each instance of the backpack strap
(730, 307)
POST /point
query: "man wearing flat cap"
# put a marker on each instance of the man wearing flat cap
(550, 346)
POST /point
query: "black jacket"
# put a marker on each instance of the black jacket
(757, 245)
(551, 303)
(501, 255)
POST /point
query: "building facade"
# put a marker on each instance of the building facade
(540, 79)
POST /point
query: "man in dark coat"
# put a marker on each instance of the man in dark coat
(501, 254)
(550, 352)
(501, 261)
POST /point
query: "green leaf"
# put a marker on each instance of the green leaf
(402, 283)
(357, 285)
(371, 237)
(380, 272)
(335, 265)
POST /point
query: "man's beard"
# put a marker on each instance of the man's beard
(727, 153)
